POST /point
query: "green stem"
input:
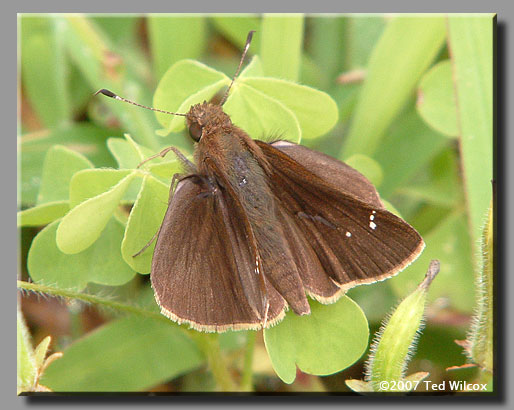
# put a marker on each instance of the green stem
(246, 380)
(70, 294)
(210, 346)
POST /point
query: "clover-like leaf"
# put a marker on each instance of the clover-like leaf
(82, 226)
(183, 80)
(33, 151)
(315, 111)
(167, 169)
(261, 116)
(143, 223)
(43, 214)
(263, 107)
(253, 69)
(327, 341)
(89, 183)
(100, 263)
(60, 165)
(127, 152)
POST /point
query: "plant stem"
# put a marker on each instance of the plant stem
(209, 344)
(70, 294)
(246, 380)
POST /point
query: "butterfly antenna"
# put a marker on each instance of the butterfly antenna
(247, 46)
(110, 94)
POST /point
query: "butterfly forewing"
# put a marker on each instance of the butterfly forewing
(340, 216)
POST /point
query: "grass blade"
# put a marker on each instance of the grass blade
(282, 58)
(471, 53)
(403, 53)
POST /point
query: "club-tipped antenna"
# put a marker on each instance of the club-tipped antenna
(247, 46)
(110, 94)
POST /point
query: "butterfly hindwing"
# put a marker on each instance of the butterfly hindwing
(203, 269)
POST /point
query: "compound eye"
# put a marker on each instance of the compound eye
(195, 131)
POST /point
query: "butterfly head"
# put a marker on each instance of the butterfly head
(206, 118)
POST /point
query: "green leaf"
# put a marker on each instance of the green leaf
(128, 153)
(186, 83)
(327, 341)
(253, 69)
(407, 147)
(404, 51)
(26, 363)
(144, 222)
(41, 351)
(100, 263)
(81, 137)
(346, 97)
(169, 168)
(449, 242)
(90, 183)
(444, 186)
(43, 214)
(471, 51)
(368, 167)
(82, 226)
(281, 58)
(436, 99)
(261, 116)
(315, 110)
(262, 107)
(130, 354)
(43, 71)
(174, 38)
(59, 167)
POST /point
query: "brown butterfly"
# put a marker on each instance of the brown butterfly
(252, 228)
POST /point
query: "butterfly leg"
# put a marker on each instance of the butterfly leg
(177, 177)
(147, 245)
(188, 165)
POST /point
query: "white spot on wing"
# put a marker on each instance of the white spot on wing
(371, 217)
(348, 234)
(372, 225)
